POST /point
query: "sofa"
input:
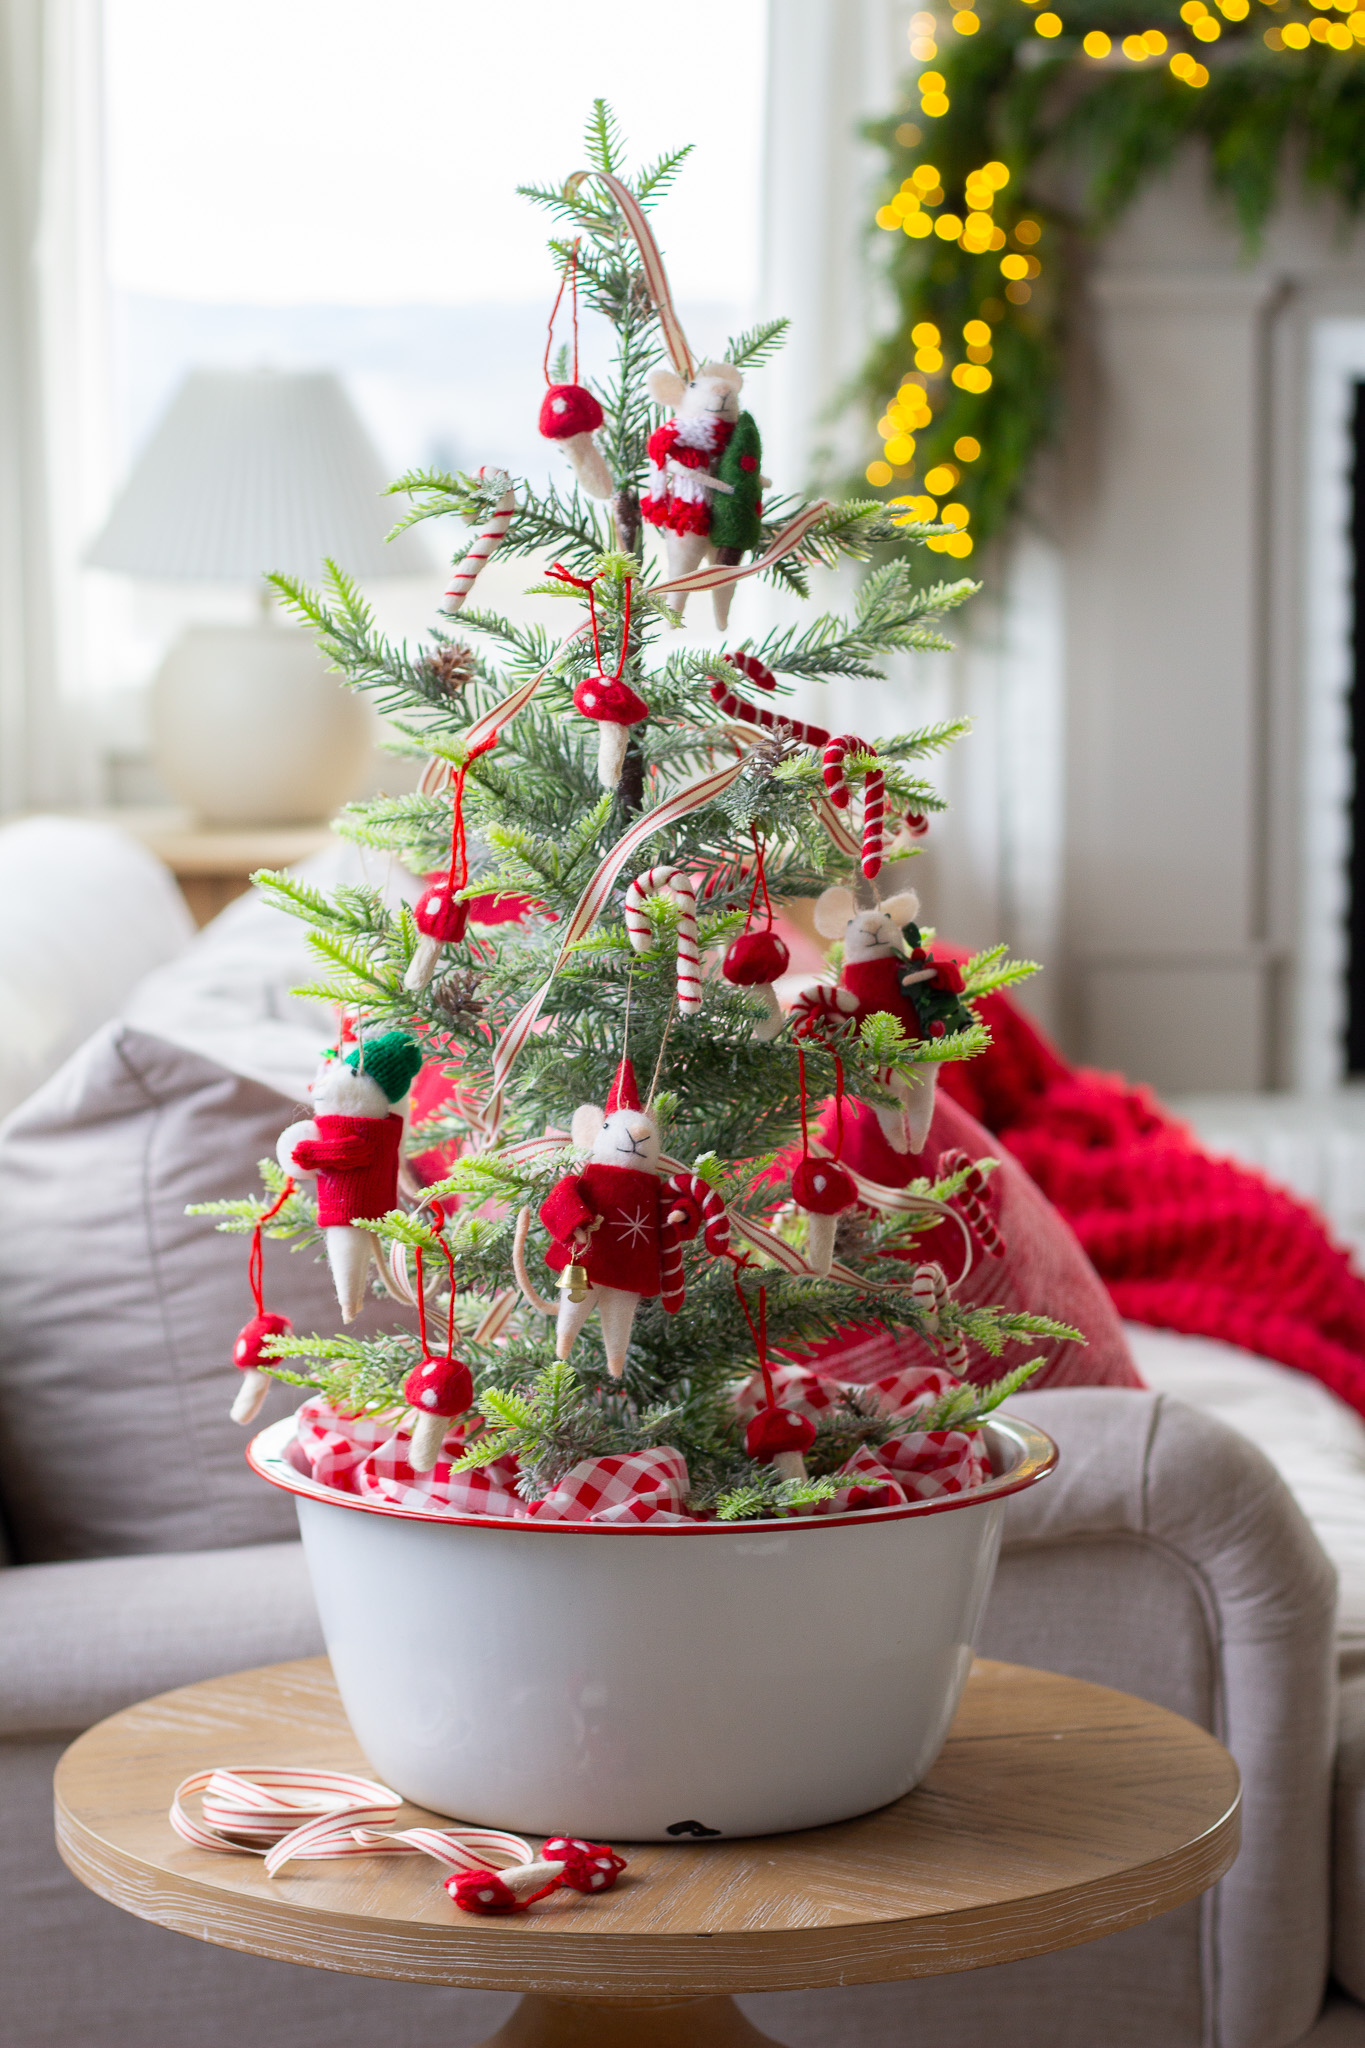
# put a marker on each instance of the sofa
(1202, 1544)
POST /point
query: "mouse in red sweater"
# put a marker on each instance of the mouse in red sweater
(876, 975)
(352, 1143)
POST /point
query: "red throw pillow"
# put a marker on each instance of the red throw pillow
(1042, 1267)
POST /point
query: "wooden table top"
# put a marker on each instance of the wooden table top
(1057, 1813)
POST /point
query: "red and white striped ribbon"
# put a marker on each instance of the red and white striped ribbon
(719, 574)
(682, 890)
(691, 797)
(284, 1813)
(656, 277)
(836, 828)
(465, 571)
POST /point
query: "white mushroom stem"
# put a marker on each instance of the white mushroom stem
(422, 965)
(588, 466)
(349, 1252)
(769, 1025)
(612, 741)
(250, 1395)
(789, 1464)
(819, 1245)
(429, 1433)
(524, 1878)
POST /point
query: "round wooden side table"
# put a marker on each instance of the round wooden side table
(1057, 1813)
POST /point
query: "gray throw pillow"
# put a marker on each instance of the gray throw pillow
(119, 1311)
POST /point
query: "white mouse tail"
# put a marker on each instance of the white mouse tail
(523, 1278)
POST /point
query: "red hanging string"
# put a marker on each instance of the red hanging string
(459, 856)
(760, 882)
(569, 277)
(255, 1265)
(759, 1332)
(582, 583)
(438, 1225)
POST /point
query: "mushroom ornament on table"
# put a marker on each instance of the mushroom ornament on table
(352, 1144)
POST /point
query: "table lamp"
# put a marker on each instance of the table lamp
(250, 472)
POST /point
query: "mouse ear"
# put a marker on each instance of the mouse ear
(666, 387)
(902, 909)
(832, 912)
(588, 1120)
(724, 373)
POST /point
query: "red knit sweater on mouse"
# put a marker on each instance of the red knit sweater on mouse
(356, 1161)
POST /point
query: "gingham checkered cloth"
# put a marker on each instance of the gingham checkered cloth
(367, 1456)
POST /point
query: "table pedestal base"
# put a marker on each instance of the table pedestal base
(565, 2023)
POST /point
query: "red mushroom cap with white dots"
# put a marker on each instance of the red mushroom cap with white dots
(248, 1353)
(439, 912)
(775, 1430)
(568, 409)
(823, 1187)
(439, 1386)
(609, 699)
(755, 957)
(588, 1866)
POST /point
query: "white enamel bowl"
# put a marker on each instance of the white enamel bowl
(636, 1684)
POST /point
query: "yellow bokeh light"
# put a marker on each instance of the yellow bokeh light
(1235, 10)
(1017, 292)
(938, 542)
(980, 195)
(967, 449)
(931, 81)
(878, 473)
(1356, 24)
(934, 104)
(929, 360)
(1294, 35)
(922, 48)
(1049, 24)
(1097, 44)
(886, 218)
(900, 449)
(1014, 266)
(922, 24)
(1028, 232)
(905, 202)
(955, 515)
(1155, 41)
(1339, 36)
(998, 239)
(1193, 10)
(1135, 50)
(1319, 30)
(923, 508)
(949, 226)
(917, 226)
(977, 333)
(908, 135)
(957, 544)
(996, 174)
(972, 376)
(966, 23)
(980, 224)
(1208, 30)
(1273, 39)
(924, 177)
(940, 478)
(981, 353)
(925, 335)
(1184, 67)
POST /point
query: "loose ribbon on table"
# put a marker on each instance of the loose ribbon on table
(285, 1813)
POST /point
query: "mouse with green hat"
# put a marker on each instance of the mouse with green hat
(352, 1143)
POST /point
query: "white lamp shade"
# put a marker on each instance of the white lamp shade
(251, 472)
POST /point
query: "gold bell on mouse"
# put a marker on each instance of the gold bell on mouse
(573, 1283)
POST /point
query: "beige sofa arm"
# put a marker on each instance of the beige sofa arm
(1167, 1558)
(81, 1640)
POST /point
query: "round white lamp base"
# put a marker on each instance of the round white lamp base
(250, 728)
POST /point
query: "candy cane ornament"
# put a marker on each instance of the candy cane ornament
(734, 706)
(874, 795)
(467, 569)
(671, 882)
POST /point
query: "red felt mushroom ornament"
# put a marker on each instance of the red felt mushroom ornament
(504, 1891)
(438, 1389)
(441, 916)
(780, 1437)
(756, 959)
(569, 414)
(607, 699)
(588, 1866)
(824, 1190)
(248, 1353)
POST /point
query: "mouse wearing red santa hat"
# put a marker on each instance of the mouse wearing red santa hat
(610, 1219)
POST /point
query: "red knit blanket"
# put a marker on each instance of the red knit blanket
(1182, 1240)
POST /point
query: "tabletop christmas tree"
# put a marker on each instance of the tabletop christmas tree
(604, 1299)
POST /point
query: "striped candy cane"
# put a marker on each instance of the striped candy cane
(463, 574)
(969, 1200)
(734, 706)
(666, 881)
(715, 1216)
(874, 796)
(928, 1290)
(672, 1290)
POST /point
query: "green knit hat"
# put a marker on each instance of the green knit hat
(392, 1060)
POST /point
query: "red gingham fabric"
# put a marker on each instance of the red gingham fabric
(925, 1465)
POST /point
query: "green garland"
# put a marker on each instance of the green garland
(982, 263)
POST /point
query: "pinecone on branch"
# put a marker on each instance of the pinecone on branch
(457, 997)
(451, 667)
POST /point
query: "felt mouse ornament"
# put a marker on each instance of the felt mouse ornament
(688, 458)
(352, 1143)
(870, 981)
(611, 1222)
